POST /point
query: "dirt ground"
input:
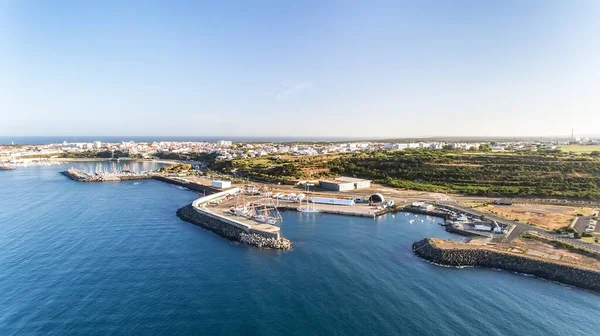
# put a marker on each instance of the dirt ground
(546, 216)
(547, 251)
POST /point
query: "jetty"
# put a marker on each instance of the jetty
(82, 176)
(448, 253)
(429, 212)
(232, 227)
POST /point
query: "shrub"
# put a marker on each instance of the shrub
(565, 229)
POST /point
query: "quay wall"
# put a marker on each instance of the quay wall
(467, 233)
(294, 207)
(486, 257)
(224, 228)
(190, 185)
(425, 212)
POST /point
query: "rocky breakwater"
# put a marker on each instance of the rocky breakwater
(81, 176)
(460, 254)
(231, 232)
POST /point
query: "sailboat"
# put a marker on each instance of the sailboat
(241, 209)
(308, 207)
(267, 212)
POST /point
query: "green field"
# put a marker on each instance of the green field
(580, 148)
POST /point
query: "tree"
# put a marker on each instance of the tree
(485, 148)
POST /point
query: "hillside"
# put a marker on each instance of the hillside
(472, 173)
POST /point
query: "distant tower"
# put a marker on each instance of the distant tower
(572, 135)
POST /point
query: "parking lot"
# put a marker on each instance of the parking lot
(587, 224)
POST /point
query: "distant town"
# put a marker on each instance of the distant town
(229, 150)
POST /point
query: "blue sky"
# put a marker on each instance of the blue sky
(299, 68)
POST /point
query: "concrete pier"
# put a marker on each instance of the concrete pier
(207, 190)
(334, 210)
(231, 226)
(432, 213)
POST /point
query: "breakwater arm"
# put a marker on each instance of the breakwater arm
(81, 176)
(228, 230)
(460, 254)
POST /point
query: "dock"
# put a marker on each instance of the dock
(433, 213)
(362, 210)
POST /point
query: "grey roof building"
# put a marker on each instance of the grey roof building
(345, 183)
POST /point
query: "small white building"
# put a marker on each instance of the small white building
(221, 184)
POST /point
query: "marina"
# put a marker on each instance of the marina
(22, 163)
(105, 176)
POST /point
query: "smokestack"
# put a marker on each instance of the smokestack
(572, 135)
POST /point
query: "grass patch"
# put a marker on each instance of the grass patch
(580, 149)
(590, 240)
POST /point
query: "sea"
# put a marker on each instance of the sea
(113, 259)
(44, 140)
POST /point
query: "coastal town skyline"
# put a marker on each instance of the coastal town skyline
(312, 69)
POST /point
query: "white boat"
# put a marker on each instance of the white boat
(242, 211)
(462, 218)
(308, 207)
(260, 218)
(266, 212)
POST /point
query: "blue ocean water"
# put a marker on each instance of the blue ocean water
(100, 259)
(40, 140)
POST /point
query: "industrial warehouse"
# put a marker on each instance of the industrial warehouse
(344, 183)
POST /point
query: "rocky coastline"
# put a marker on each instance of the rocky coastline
(189, 214)
(461, 255)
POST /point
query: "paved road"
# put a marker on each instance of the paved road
(548, 201)
(522, 227)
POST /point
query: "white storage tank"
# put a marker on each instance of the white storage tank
(221, 184)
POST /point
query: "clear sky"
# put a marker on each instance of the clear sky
(300, 68)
